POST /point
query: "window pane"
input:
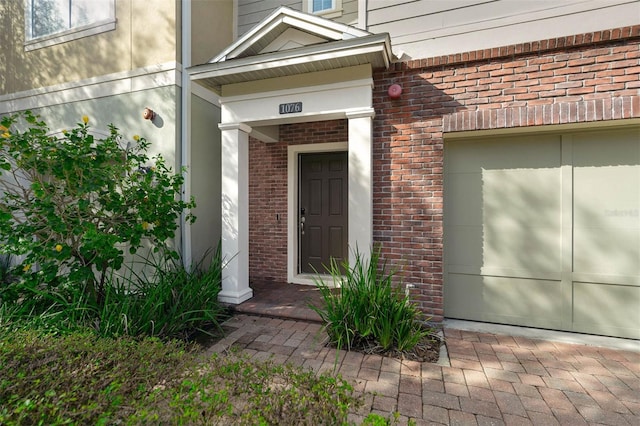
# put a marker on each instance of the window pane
(49, 16)
(320, 5)
(85, 12)
(53, 16)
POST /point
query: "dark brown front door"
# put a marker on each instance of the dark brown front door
(322, 210)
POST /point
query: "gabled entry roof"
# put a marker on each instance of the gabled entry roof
(289, 42)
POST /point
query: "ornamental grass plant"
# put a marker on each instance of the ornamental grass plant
(172, 302)
(364, 309)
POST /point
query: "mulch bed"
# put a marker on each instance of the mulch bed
(427, 350)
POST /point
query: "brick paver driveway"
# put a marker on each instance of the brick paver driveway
(489, 379)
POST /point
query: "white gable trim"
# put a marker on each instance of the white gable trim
(331, 30)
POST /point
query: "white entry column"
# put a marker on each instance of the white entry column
(235, 213)
(360, 182)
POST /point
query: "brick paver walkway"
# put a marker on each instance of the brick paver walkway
(491, 380)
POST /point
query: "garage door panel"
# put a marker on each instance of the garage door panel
(606, 190)
(527, 301)
(517, 153)
(462, 247)
(609, 148)
(606, 309)
(504, 299)
(544, 231)
(463, 298)
(523, 197)
(521, 220)
(614, 251)
(465, 188)
(520, 247)
(600, 202)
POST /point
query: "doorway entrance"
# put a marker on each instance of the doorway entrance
(322, 210)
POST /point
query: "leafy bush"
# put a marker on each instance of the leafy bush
(81, 379)
(367, 309)
(69, 204)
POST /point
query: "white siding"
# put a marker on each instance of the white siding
(349, 12)
(426, 28)
(250, 12)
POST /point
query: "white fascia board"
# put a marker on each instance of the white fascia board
(145, 78)
(348, 48)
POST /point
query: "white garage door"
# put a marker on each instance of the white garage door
(544, 231)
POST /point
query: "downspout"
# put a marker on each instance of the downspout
(185, 128)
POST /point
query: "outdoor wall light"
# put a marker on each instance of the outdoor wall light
(395, 91)
(148, 114)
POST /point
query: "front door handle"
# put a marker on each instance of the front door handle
(302, 220)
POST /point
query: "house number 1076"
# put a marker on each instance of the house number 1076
(290, 108)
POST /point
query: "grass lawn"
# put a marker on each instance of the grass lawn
(83, 379)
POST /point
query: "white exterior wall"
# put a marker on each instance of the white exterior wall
(428, 28)
(125, 112)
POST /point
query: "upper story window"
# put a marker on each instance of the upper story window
(327, 8)
(49, 22)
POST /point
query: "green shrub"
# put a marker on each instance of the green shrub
(367, 309)
(69, 203)
(81, 379)
(69, 206)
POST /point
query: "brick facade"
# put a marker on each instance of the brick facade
(268, 194)
(582, 78)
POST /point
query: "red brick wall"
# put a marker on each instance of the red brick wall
(268, 194)
(588, 77)
(267, 210)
